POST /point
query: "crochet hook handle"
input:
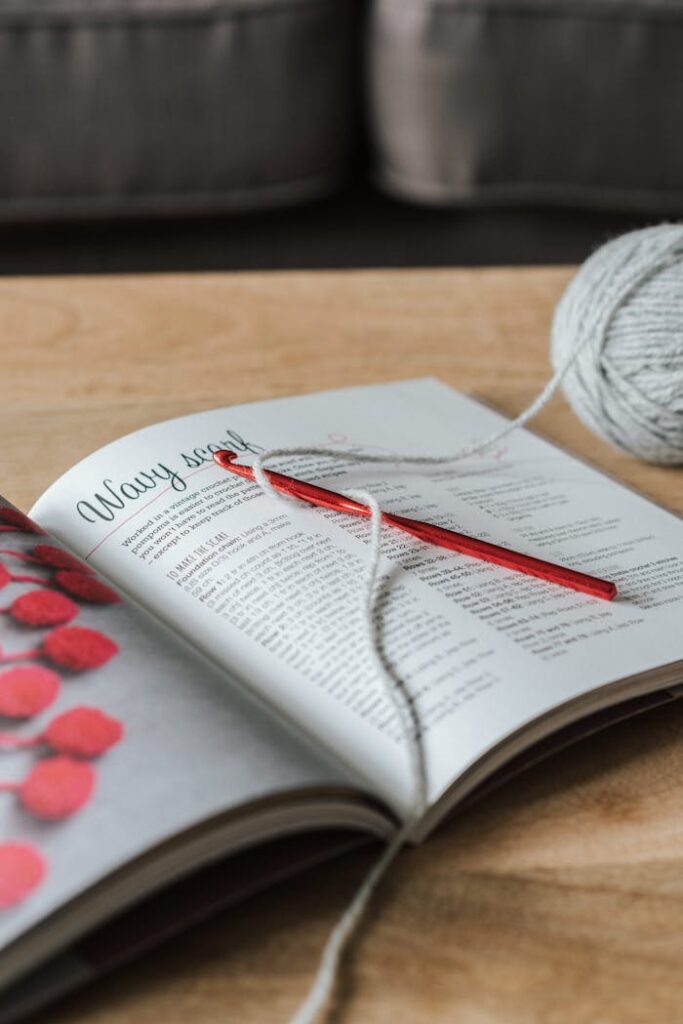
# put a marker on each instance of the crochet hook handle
(430, 533)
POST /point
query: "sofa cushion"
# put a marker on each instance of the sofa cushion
(140, 106)
(529, 101)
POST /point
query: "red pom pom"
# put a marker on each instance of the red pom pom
(22, 868)
(83, 732)
(57, 787)
(13, 517)
(26, 690)
(56, 558)
(5, 577)
(87, 587)
(43, 608)
(77, 648)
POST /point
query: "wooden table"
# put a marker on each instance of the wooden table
(558, 899)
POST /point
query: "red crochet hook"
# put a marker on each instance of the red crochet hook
(428, 532)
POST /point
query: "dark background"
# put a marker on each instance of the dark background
(361, 227)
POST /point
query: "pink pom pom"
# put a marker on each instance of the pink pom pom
(5, 576)
(13, 517)
(83, 732)
(77, 648)
(43, 608)
(22, 869)
(56, 558)
(57, 787)
(26, 690)
(86, 587)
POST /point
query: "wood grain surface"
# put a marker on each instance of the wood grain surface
(557, 900)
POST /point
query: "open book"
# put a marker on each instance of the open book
(228, 700)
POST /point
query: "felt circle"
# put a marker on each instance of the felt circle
(22, 869)
(27, 689)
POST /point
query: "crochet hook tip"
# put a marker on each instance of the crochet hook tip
(224, 457)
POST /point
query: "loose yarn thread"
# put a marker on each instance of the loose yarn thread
(406, 710)
(597, 298)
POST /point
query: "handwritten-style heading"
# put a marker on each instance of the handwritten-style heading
(113, 496)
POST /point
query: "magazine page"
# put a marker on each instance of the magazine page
(114, 735)
(271, 589)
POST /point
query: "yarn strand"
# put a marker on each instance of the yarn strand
(321, 989)
(606, 397)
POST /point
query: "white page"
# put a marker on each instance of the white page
(193, 747)
(272, 590)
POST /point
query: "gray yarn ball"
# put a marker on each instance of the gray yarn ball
(618, 331)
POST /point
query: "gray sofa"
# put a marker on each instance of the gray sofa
(570, 102)
(138, 107)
